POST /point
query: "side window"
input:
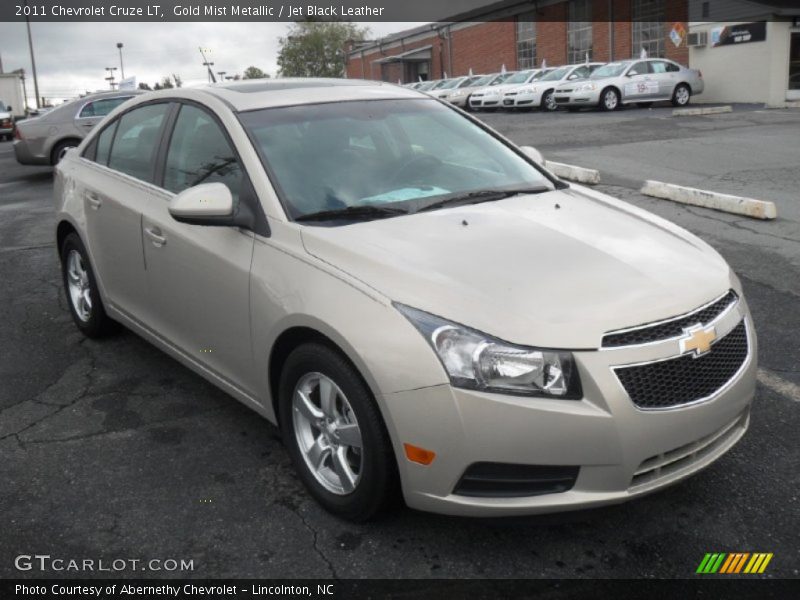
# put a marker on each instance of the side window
(100, 108)
(103, 143)
(580, 73)
(658, 66)
(639, 68)
(200, 153)
(672, 67)
(136, 141)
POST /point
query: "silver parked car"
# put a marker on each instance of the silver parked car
(539, 94)
(45, 139)
(416, 302)
(632, 81)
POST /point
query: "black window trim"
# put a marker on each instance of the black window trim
(247, 194)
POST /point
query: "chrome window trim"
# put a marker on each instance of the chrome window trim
(721, 390)
(718, 318)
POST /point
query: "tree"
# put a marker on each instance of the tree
(177, 79)
(317, 48)
(145, 86)
(254, 73)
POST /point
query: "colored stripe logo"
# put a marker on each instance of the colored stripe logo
(734, 563)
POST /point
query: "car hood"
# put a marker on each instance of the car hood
(555, 270)
(5, 114)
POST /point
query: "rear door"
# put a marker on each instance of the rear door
(665, 74)
(199, 276)
(116, 188)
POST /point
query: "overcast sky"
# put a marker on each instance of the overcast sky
(71, 57)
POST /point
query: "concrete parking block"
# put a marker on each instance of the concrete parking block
(757, 209)
(707, 110)
(573, 173)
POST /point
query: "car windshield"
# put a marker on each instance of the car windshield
(440, 84)
(470, 81)
(501, 78)
(381, 155)
(520, 77)
(425, 86)
(2, 106)
(481, 81)
(610, 70)
(556, 74)
(450, 84)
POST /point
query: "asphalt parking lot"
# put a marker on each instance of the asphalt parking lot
(112, 449)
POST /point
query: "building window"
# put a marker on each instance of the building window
(648, 28)
(526, 41)
(579, 31)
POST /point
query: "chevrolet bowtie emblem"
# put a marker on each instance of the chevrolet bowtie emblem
(697, 339)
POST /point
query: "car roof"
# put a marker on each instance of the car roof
(266, 93)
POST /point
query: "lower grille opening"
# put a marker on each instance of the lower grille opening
(505, 480)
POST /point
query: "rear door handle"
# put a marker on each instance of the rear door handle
(154, 233)
(94, 200)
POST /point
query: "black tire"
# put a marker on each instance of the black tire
(98, 324)
(644, 104)
(681, 95)
(378, 484)
(548, 104)
(609, 99)
(58, 151)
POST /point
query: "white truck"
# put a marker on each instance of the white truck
(12, 103)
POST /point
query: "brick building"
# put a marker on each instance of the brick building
(522, 34)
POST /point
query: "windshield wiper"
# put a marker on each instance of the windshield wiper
(365, 212)
(483, 196)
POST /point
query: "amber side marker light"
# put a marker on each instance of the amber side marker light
(419, 455)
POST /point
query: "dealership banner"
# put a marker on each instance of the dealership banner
(738, 34)
(380, 589)
(344, 10)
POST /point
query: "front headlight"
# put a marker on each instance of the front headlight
(586, 87)
(477, 361)
(457, 94)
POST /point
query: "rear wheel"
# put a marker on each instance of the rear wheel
(83, 296)
(681, 95)
(548, 101)
(61, 150)
(609, 99)
(335, 434)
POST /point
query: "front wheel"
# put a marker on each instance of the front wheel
(549, 102)
(609, 99)
(681, 95)
(335, 434)
(80, 285)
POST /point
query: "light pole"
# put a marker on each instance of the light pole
(121, 66)
(207, 64)
(33, 60)
(221, 75)
(110, 78)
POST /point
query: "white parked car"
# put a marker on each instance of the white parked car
(417, 303)
(491, 94)
(519, 82)
(539, 94)
(633, 81)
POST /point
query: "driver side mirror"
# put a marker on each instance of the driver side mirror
(204, 204)
(533, 154)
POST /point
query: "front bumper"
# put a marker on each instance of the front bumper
(526, 100)
(622, 451)
(588, 98)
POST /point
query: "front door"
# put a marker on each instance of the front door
(640, 85)
(793, 89)
(199, 276)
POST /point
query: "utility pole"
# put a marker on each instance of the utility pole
(110, 78)
(208, 64)
(121, 66)
(33, 60)
(221, 75)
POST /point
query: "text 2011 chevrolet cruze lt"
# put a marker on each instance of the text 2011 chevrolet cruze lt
(418, 304)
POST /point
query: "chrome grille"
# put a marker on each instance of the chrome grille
(686, 379)
(663, 330)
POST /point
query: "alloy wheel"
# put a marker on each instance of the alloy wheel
(327, 433)
(682, 95)
(610, 99)
(79, 286)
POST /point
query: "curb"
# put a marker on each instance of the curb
(573, 173)
(757, 209)
(710, 110)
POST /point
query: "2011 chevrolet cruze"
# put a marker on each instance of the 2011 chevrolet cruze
(414, 300)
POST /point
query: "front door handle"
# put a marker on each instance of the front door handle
(94, 200)
(154, 233)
